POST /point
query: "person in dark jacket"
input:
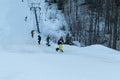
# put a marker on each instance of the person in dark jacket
(39, 39)
(48, 40)
(32, 33)
(60, 42)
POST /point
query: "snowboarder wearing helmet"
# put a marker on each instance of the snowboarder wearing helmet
(39, 39)
(60, 42)
(48, 40)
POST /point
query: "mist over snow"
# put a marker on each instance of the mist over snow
(16, 30)
(13, 27)
(21, 58)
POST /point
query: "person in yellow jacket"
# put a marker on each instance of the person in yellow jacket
(60, 42)
(60, 47)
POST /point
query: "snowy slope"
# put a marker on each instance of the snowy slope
(22, 59)
(28, 62)
(13, 27)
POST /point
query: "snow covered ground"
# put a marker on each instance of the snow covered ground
(40, 62)
(22, 59)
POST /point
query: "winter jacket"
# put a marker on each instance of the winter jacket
(47, 39)
(60, 46)
(39, 38)
(60, 41)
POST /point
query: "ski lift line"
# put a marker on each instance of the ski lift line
(35, 9)
(33, 4)
(32, 14)
(34, 25)
(36, 18)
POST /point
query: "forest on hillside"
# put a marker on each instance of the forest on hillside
(92, 21)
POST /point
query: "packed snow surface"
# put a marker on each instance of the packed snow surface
(21, 58)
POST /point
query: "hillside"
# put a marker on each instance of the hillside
(21, 58)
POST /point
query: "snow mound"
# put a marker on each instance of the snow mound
(101, 49)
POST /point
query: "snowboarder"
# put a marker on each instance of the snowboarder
(39, 39)
(32, 33)
(60, 42)
(48, 40)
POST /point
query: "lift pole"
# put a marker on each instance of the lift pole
(35, 7)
